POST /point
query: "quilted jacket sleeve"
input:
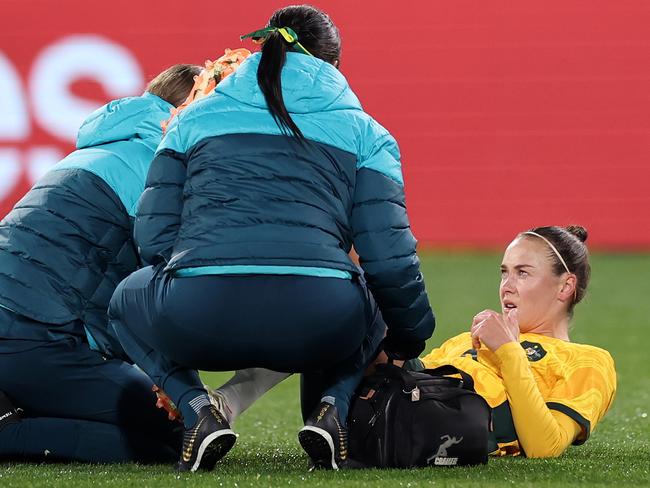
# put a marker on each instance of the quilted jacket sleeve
(386, 247)
(158, 215)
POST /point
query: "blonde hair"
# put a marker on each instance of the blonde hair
(174, 84)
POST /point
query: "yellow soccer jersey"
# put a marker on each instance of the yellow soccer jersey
(575, 379)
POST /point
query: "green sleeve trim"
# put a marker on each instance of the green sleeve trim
(569, 412)
(414, 364)
(504, 425)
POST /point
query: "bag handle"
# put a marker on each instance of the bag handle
(389, 370)
(468, 381)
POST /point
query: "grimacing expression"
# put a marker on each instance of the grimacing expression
(528, 283)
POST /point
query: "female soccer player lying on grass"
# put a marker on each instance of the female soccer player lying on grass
(546, 392)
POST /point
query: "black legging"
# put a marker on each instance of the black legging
(171, 326)
(77, 406)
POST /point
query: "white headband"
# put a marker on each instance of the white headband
(557, 253)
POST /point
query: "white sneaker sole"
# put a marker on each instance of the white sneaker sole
(312, 444)
(228, 443)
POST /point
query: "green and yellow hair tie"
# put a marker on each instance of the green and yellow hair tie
(287, 33)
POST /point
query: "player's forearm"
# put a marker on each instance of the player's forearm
(541, 431)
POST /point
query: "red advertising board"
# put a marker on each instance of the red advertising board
(509, 114)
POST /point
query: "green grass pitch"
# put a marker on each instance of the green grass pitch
(615, 315)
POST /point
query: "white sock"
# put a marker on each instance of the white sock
(198, 402)
(328, 399)
(245, 388)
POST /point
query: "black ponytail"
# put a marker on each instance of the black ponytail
(269, 77)
(317, 33)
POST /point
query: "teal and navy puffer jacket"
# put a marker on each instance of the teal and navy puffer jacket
(229, 193)
(68, 242)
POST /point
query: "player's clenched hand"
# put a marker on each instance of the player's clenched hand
(494, 329)
(477, 322)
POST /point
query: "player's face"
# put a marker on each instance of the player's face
(528, 283)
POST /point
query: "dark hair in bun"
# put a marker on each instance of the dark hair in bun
(570, 243)
(578, 231)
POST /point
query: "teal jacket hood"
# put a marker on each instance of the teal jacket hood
(125, 119)
(309, 85)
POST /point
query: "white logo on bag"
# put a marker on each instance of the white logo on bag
(440, 457)
(8, 414)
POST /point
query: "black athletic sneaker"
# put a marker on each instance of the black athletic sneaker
(8, 413)
(208, 441)
(324, 439)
